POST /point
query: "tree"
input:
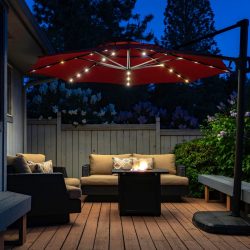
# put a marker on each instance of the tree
(186, 20)
(80, 24)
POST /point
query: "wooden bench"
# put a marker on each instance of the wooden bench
(13, 207)
(224, 185)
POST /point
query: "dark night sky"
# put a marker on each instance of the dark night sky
(227, 12)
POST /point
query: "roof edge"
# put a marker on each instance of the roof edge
(26, 17)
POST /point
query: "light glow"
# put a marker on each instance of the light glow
(128, 84)
(171, 70)
(62, 62)
(186, 81)
(103, 59)
(78, 75)
(128, 73)
(71, 80)
(113, 53)
(128, 78)
(86, 70)
(144, 53)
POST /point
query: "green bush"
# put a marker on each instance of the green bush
(214, 153)
(198, 159)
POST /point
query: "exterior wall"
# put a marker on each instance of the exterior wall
(70, 146)
(15, 122)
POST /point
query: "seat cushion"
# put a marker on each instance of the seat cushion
(38, 158)
(74, 192)
(107, 180)
(72, 182)
(161, 161)
(103, 164)
(175, 180)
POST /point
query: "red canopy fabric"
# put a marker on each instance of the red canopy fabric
(128, 63)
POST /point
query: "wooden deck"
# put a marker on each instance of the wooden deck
(99, 226)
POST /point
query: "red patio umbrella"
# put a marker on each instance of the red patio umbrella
(128, 63)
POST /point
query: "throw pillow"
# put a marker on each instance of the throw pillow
(143, 163)
(43, 167)
(122, 163)
(21, 165)
(35, 167)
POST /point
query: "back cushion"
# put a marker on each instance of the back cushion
(103, 164)
(38, 158)
(161, 161)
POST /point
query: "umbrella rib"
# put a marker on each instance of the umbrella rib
(141, 64)
(118, 64)
(101, 63)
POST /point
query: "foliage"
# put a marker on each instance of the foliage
(84, 105)
(215, 152)
(198, 159)
(186, 20)
(77, 106)
(80, 24)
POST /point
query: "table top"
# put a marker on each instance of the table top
(154, 170)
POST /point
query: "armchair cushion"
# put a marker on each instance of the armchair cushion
(72, 182)
(161, 161)
(74, 192)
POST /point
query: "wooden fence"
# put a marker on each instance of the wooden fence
(70, 146)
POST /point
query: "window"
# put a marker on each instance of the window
(9, 90)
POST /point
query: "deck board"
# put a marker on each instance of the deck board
(99, 226)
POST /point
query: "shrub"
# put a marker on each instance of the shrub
(198, 159)
(215, 152)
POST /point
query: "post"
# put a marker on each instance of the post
(240, 117)
(59, 139)
(158, 135)
(3, 93)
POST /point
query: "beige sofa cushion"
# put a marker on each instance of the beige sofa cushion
(38, 158)
(175, 180)
(107, 180)
(103, 164)
(161, 161)
(72, 182)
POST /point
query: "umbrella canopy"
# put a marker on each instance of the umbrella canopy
(128, 63)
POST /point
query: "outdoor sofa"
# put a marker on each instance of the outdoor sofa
(97, 178)
(54, 196)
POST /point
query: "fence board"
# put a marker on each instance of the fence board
(77, 143)
(69, 155)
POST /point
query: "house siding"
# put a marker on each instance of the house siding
(15, 123)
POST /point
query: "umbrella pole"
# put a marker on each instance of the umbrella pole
(240, 118)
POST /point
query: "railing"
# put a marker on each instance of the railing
(70, 146)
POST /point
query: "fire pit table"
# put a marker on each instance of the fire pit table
(139, 191)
